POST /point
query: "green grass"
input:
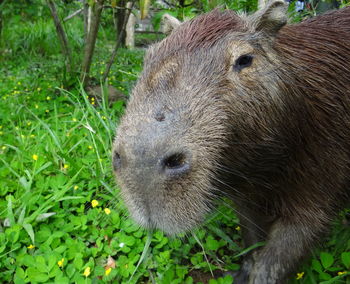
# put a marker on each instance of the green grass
(54, 161)
(61, 218)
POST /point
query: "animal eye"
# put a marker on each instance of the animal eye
(243, 62)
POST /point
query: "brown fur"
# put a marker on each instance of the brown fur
(273, 135)
(203, 32)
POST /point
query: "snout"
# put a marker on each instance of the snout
(164, 163)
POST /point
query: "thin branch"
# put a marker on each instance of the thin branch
(86, 19)
(73, 15)
(91, 39)
(116, 7)
(117, 45)
(61, 34)
(170, 4)
(149, 32)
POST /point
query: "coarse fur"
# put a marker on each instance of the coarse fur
(272, 133)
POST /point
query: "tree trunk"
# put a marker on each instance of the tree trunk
(86, 8)
(119, 18)
(130, 30)
(118, 42)
(92, 30)
(61, 35)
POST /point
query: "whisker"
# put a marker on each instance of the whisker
(246, 218)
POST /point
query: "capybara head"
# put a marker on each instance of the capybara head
(210, 98)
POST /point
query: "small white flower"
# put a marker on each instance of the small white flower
(121, 245)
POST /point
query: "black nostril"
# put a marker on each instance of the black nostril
(176, 164)
(160, 116)
(116, 161)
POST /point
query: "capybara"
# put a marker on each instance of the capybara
(249, 108)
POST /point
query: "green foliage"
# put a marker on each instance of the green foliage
(344, 3)
(24, 36)
(189, 11)
(247, 6)
(61, 218)
(330, 263)
(29, 10)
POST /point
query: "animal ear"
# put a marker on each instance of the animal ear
(271, 18)
(169, 23)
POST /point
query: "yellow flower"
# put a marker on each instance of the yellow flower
(47, 111)
(238, 228)
(60, 262)
(76, 187)
(341, 272)
(66, 166)
(29, 123)
(3, 147)
(87, 271)
(92, 102)
(90, 147)
(32, 135)
(30, 246)
(300, 275)
(35, 157)
(107, 271)
(107, 211)
(74, 119)
(48, 98)
(94, 203)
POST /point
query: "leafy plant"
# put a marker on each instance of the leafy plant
(61, 218)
